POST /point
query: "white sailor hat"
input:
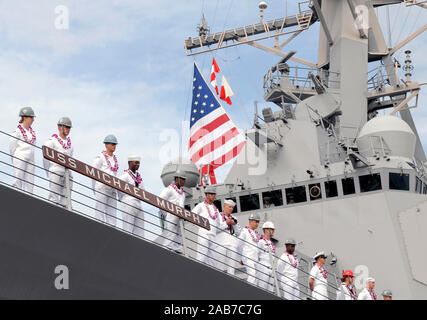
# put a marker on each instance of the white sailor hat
(268, 225)
(370, 279)
(290, 241)
(134, 158)
(320, 254)
(229, 202)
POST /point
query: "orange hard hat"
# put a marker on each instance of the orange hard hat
(348, 273)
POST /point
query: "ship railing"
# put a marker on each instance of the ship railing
(299, 77)
(81, 199)
(378, 78)
(377, 147)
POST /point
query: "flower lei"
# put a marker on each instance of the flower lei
(270, 244)
(373, 295)
(223, 216)
(116, 165)
(137, 179)
(295, 263)
(256, 233)
(180, 191)
(213, 217)
(323, 272)
(352, 292)
(24, 134)
(65, 146)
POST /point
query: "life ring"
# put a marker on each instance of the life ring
(315, 192)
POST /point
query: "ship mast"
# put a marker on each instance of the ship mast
(349, 38)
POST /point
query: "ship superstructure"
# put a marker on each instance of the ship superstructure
(325, 167)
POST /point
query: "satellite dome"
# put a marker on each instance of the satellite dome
(262, 5)
(386, 134)
(184, 165)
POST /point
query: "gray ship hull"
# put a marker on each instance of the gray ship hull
(103, 263)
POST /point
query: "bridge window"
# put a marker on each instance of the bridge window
(399, 181)
(296, 195)
(315, 191)
(348, 186)
(218, 204)
(418, 185)
(331, 189)
(425, 189)
(249, 202)
(187, 207)
(370, 182)
(272, 198)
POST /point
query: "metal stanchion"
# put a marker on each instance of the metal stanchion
(273, 269)
(184, 241)
(68, 189)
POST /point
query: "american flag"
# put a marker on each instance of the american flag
(214, 138)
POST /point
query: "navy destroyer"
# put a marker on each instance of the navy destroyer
(325, 167)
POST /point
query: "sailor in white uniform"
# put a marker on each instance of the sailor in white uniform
(318, 280)
(248, 247)
(267, 250)
(206, 243)
(368, 292)
(106, 197)
(133, 219)
(60, 142)
(22, 151)
(346, 291)
(287, 269)
(174, 192)
(227, 239)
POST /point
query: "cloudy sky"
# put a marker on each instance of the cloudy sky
(120, 68)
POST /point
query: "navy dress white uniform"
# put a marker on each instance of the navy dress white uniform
(56, 172)
(172, 238)
(264, 268)
(287, 268)
(106, 197)
(206, 240)
(367, 294)
(227, 244)
(22, 153)
(248, 247)
(133, 219)
(320, 276)
(346, 292)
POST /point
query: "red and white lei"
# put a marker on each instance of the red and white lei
(256, 233)
(373, 295)
(213, 217)
(137, 179)
(323, 272)
(295, 262)
(270, 244)
(352, 292)
(24, 134)
(116, 165)
(65, 146)
(180, 190)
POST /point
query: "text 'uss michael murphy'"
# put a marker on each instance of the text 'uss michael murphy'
(111, 181)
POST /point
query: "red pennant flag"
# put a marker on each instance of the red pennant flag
(215, 69)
